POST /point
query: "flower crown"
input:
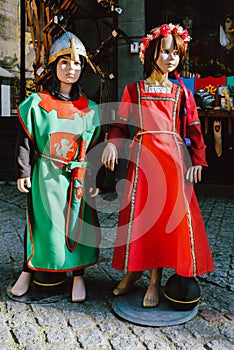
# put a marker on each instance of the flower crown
(165, 30)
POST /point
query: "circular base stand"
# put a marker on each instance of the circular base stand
(42, 295)
(129, 307)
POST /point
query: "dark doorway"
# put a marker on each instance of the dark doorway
(205, 15)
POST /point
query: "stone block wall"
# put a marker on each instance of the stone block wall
(132, 22)
(10, 32)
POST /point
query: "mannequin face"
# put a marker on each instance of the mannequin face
(68, 71)
(229, 25)
(169, 57)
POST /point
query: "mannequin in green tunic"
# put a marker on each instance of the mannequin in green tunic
(59, 128)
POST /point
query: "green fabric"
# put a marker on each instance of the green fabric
(230, 81)
(48, 197)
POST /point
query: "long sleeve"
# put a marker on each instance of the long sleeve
(197, 149)
(24, 155)
(95, 175)
(117, 133)
(123, 128)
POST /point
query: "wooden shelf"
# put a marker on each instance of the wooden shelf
(216, 114)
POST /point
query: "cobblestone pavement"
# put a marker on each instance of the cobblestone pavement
(62, 325)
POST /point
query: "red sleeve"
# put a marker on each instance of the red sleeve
(197, 149)
(120, 129)
(129, 101)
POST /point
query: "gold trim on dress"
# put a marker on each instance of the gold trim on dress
(177, 139)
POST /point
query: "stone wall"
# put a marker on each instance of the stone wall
(132, 22)
(9, 33)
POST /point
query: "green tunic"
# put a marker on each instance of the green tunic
(61, 223)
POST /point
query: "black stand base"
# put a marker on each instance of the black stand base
(129, 307)
(42, 295)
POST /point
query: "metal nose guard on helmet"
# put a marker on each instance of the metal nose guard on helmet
(67, 44)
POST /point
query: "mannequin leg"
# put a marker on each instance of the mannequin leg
(128, 280)
(152, 295)
(21, 286)
(78, 288)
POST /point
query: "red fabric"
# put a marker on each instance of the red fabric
(65, 109)
(209, 83)
(160, 223)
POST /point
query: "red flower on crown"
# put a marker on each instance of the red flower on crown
(165, 30)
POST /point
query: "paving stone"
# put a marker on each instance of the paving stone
(152, 337)
(59, 335)
(25, 333)
(158, 344)
(64, 347)
(91, 338)
(219, 345)
(211, 315)
(180, 336)
(4, 335)
(38, 346)
(189, 344)
(113, 327)
(41, 308)
(1, 319)
(202, 330)
(14, 306)
(51, 319)
(19, 318)
(227, 329)
(80, 321)
(126, 342)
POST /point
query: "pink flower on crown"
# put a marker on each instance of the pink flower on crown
(185, 35)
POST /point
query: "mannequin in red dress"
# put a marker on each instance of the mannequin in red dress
(162, 103)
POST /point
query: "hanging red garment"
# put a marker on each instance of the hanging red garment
(160, 223)
(209, 83)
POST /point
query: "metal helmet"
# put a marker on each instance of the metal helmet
(67, 44)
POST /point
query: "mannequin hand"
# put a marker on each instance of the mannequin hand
(21, 183)
(94, 191)
(110, 156)
(194, 173)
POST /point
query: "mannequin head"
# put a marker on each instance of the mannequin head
(228, 24)
(67, 53)
(172, 37)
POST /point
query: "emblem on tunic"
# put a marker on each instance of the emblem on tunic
(79, 192)
(63, 146)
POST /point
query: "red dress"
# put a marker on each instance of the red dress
(160, 223)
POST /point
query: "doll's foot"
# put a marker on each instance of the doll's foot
(22, 284)
(127, 282)
(78, 289)
(152, 296)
